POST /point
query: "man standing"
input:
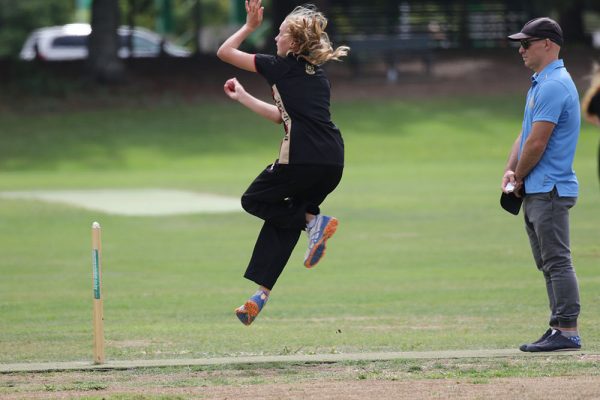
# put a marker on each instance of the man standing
(540, 168)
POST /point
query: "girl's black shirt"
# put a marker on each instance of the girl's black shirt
(301, 91)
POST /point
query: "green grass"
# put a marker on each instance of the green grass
(424, 258)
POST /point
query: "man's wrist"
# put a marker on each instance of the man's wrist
(518, 177)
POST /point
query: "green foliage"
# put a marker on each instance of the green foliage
(183, 14)
(19, 18)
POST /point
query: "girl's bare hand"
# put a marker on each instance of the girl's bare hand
(254, 13)
(233, 89)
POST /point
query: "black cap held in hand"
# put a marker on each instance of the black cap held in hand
(545, 28)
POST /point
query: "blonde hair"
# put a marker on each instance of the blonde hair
(592, 91)
(306, 27)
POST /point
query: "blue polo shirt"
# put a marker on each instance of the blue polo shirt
(553, 98)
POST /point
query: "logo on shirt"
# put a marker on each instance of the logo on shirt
(310, 69)
(531, 103)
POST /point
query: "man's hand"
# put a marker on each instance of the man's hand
(514, 183)
(518, 190)
(509, 177)
(254, 13)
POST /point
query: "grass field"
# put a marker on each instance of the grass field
(424, 258)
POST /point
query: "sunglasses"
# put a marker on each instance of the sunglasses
(526, 43)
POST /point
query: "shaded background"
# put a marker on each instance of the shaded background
(431, 43)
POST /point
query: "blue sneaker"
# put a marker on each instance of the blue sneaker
(247, 312)
(321, 231)
(556, 342)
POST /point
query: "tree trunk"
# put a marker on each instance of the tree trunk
(131, 14)
(103, 60)
(197, 27)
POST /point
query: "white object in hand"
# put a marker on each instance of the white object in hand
(510, 187)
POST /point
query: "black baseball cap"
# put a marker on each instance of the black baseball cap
(545, 28)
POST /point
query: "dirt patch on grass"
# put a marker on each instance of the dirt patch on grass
(506, 388)
(516, 388)
(572, 377)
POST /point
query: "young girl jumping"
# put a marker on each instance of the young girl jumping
(287, 194)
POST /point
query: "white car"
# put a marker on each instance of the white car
(69, 42)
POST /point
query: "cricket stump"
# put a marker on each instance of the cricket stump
(98, 317)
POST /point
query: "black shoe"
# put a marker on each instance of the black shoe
(554, 342)
(545, 336)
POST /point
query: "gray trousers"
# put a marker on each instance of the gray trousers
(547, 224)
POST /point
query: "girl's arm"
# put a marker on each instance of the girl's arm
(236, 91)
(229, 52)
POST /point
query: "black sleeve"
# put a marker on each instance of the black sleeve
(271, 67)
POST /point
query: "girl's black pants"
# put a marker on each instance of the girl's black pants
(281, 195)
